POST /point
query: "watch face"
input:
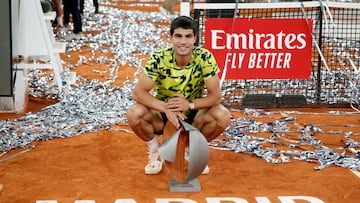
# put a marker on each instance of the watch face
(191, 106)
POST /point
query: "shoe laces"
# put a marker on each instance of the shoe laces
(153, 156)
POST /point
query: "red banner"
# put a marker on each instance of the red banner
(261, 48)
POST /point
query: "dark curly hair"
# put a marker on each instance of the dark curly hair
(184, 22)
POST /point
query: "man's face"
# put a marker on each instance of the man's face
(183, 41)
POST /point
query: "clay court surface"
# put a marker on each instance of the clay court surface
(108, 166)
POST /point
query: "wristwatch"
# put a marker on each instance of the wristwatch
(191, 106)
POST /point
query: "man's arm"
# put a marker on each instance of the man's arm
(141, 94)
(179, 104)
(214, 94)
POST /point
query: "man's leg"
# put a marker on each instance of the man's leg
(58, 21)
(213, 121)
(67, 11)
(145, 123)
(96, 5)
(82, 4)
(76, 16)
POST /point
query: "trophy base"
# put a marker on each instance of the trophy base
(190, 186)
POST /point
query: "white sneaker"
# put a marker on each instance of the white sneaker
(154, 164)
(67, 26)
(187, 158)
(73, 36)
(206, 170)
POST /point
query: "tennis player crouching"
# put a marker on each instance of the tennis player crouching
(179, 75)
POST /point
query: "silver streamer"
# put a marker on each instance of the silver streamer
(88, 105)
(241, 138)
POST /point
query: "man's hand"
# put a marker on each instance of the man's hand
(174, 117)
(177, 105)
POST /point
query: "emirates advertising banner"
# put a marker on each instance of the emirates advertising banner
(261, 48)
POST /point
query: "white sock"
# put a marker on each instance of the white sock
(59, 20)
(153, 144)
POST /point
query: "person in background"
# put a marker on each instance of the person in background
(179, 75)
(72, 7)
(58, 21)
(95, 3)
(168, 7)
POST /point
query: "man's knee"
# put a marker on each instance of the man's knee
(222, 116)
(217, 118)
(226, 118)
(134, 113)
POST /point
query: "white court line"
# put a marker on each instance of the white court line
(357, 173)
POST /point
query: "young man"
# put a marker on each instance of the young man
(179, 74)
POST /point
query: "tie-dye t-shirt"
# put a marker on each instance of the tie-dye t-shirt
(189, 81)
